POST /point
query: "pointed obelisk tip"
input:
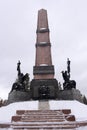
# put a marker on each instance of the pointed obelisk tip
(42, 19)
(42, 10)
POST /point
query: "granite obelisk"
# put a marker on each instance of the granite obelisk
(43, 85)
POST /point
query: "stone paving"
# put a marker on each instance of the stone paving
(43, 105)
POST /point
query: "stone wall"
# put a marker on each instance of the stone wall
(73, 94)
(16, 96)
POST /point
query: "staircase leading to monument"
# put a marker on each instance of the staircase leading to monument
(43, 120)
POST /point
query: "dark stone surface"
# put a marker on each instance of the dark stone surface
(16, 118)
(73, 94)
(44, 89)
(16, 96)
(66, 111)
(43, 70)
(51, 92)
(70, 118)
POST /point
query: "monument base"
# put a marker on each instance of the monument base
(16, 96)
(44, 88)
(73, 94)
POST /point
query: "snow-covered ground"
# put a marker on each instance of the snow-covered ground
(78, 109)
(8, 111)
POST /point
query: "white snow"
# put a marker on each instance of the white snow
(82, 128)
(8, 111)
(42, 28)
(43, 64)
(43, 42)
(78, 109)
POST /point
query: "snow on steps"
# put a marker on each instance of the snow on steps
(43, 119)
(68, 122)
(80, 114)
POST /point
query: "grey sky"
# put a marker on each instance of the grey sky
(68, 34)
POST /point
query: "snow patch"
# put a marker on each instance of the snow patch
(78, 109)
(43, 64)
(8, 111)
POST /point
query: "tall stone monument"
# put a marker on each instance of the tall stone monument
(43, 85)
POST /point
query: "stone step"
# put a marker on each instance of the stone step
(43, 118)
(64, 111)
(5, 125)
(56, 113)
(35, 119)
(43, 123)
(35, 114)
(40, 117)
(44, 126)
(10, 126)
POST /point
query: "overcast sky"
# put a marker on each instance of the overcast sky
(68, 34)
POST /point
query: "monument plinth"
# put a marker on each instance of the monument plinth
(43, 85)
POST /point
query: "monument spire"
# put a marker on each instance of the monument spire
(43, 86)
(42, 19)
(43, 64)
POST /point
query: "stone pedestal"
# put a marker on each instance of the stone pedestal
(73, 94)
(44, 89)
(16, 96)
